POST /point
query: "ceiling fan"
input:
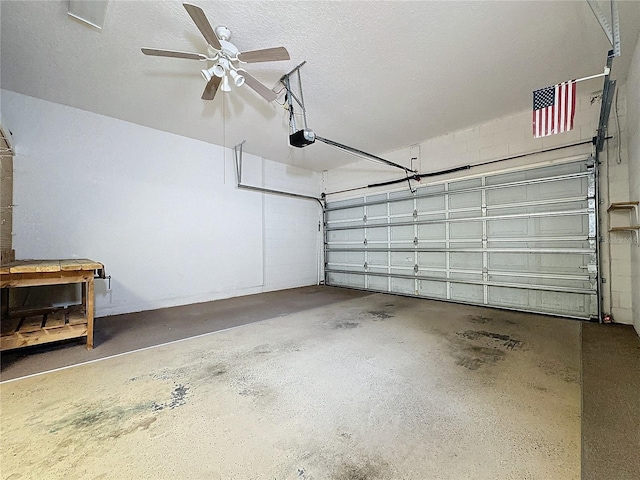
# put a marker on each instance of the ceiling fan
(225, 57)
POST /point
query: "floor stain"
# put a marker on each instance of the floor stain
(177, 399)
(363, 469)
(262, 349)
(479, 319)
(177, 396)
(142, 425)
(473, 349)
(380, 315)
(505, 340)
(216, 370)
(97, 416)
(346, 325)
(473, 357)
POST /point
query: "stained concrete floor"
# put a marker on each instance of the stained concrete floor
(361, 387)
(611, 402)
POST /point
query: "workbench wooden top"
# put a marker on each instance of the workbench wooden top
(40, 266)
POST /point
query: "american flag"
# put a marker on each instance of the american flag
(554, 108)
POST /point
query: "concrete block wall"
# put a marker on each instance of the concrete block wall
(633, 121)
(512, 136)
(614, 187)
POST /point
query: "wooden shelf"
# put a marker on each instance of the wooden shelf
(623, 206)
(32, 327)
(630, 228)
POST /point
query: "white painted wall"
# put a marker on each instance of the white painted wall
(633, 103)
(512, 136)
(160, 211)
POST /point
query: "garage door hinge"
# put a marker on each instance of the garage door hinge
(415, 241)
(415, 268)
(365, 241)
(364, 219)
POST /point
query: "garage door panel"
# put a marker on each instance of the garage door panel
(377, 258)
(402, 259)
(346, 236)
(402, 233)
(353, 258)
(518, 240)
(465, 260)
(404, 207)
(557, 302)
(509, 297)
(462, 230)
(565, 225)
(530, 278)
(429, 288)
(430, 204)
(559, 189)
(347, 280)
(456, 276)
(433, 272)
(561, 206)
(377, 234)
(457, 185)
(510, 262)
(465, 200)
(378, 283)
(435, 231)
(467, 293)
(432, 260)
(347, 214)
(379, 210)
(403, 285)
(564, 263)
(381, 269)
(508, 227)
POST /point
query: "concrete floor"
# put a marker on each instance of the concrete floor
(364, 387)
(611, 402)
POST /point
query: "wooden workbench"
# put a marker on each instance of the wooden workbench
(33, 326)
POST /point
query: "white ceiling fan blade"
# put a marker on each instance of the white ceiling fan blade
(262, 90)
(200, 19)
(172, 53)
(211, 88)
(265, 55)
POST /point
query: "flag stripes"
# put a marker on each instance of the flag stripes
(554, 109)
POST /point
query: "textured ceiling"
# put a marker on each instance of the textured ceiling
(379, 75)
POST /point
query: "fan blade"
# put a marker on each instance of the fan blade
(266, 55)
(262, 90)
(200, 19)
(211, 88)
(173, 53)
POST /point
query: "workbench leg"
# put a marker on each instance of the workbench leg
(84, 296)
(5, 302)
(87, 301)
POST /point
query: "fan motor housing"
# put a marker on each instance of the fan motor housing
(302, 138)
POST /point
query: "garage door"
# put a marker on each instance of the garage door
(523, 240)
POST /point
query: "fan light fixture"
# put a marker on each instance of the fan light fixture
(208, 73)
(238, 79)
(225, 84)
